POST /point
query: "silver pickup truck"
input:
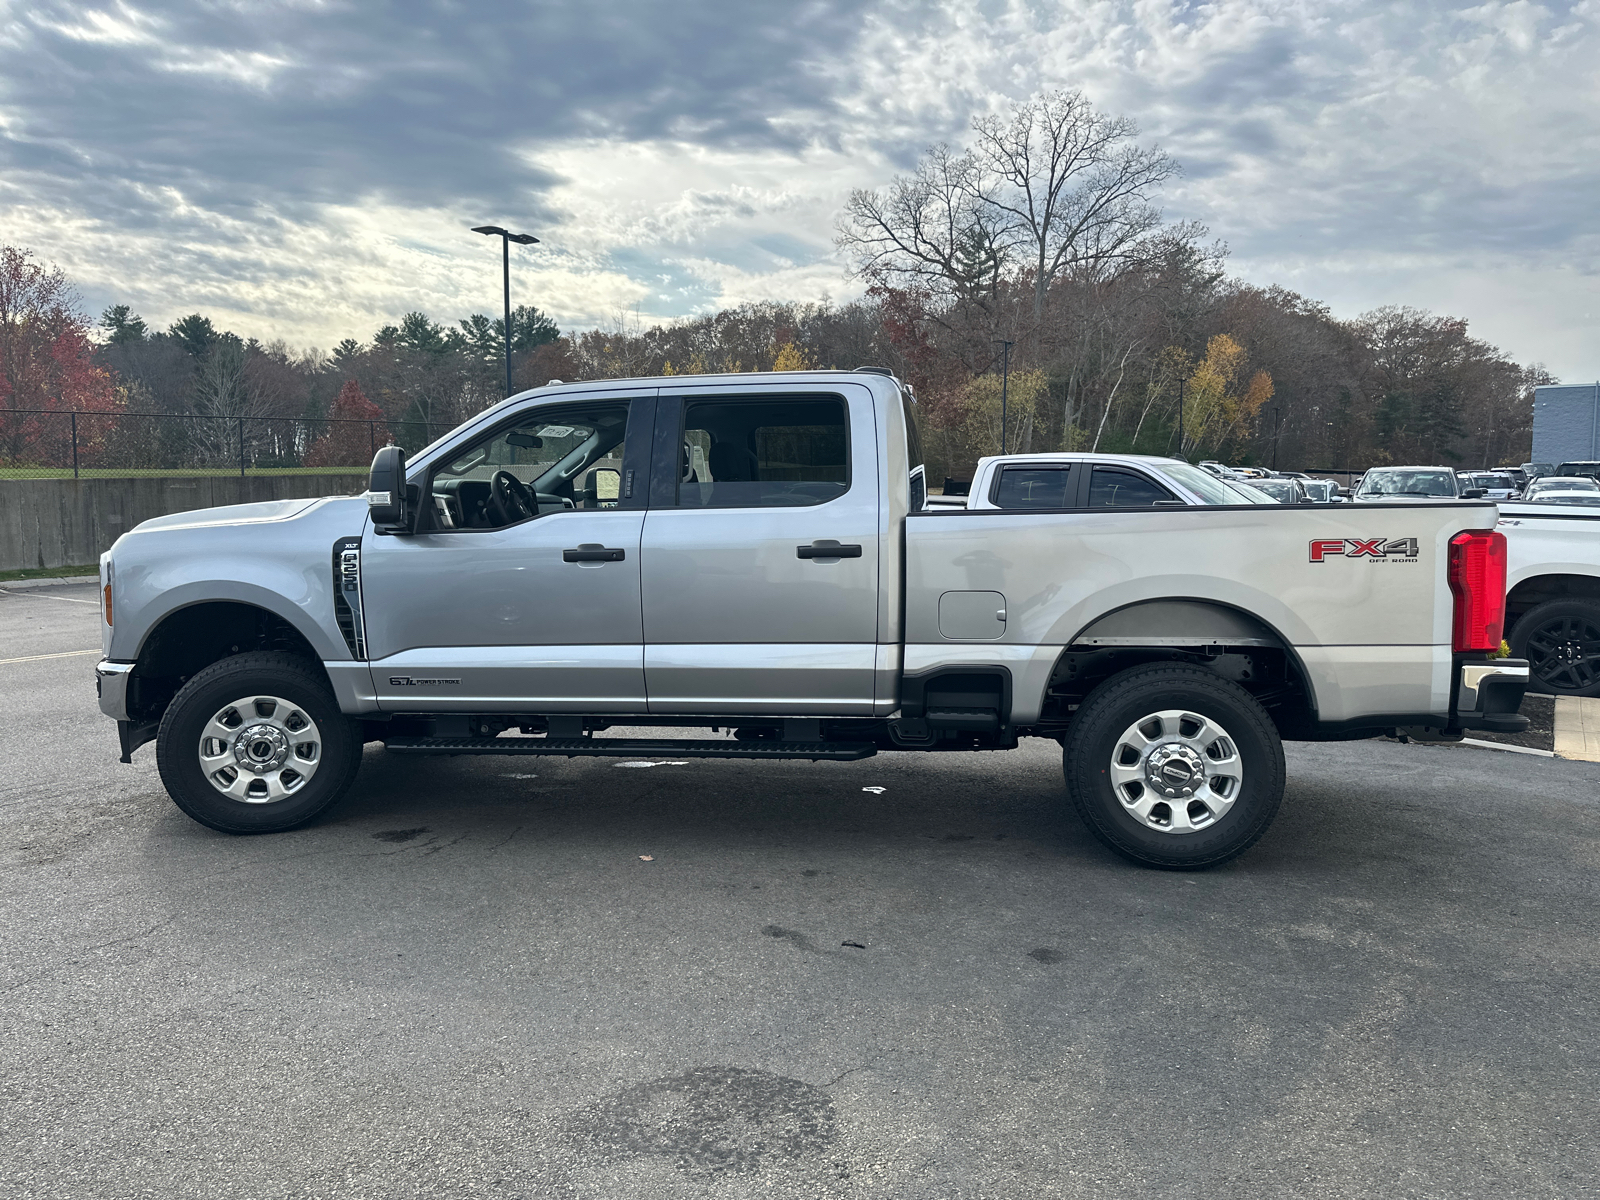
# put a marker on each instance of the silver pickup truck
(750, 557)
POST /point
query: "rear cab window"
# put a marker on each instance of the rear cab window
(1034, 487)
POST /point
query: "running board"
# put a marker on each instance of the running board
(630, 748)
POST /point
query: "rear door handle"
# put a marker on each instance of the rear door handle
(825, 548)
(593, 552)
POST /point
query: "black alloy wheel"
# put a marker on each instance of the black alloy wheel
(1561, 641)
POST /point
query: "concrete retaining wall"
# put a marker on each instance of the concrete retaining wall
(64, 522)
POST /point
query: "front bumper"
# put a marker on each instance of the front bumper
(111, 685)
(1489, 695)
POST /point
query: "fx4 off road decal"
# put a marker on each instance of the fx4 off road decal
(1381, 549)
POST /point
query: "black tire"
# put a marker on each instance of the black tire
(1114, 708)
(1561, 641)
(283, 676)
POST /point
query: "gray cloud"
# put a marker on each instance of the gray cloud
(680, 157)
(421, 103)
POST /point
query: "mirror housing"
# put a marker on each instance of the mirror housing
(386, 487)
(1472, 493)
(603, 485)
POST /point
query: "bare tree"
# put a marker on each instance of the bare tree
(931, 227)
(1056, 187)
(1068, 186)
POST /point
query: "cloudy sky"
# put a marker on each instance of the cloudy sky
(308, 170)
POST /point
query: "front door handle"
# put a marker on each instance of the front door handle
(593, 552)
(827, 548)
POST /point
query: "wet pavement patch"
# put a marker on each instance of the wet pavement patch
(400, 835)
(709, 1121)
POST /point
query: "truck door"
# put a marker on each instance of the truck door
(760, 551)
(492, 607)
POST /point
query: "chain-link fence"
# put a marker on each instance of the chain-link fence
(44, 444)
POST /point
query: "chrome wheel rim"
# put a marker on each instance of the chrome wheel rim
(260, 750)
(1176, 771)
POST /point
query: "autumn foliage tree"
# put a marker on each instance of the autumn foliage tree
(357, 427)
(46, 357)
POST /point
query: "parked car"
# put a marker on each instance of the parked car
(1065, 481)
(1323, 491)
(1537, 470)
(1586, 470)
(750, 553)
(1561, 483)
(1582, 499)
(1553, 589)
(1411, 485)
(1284, 491)
(1495, 485)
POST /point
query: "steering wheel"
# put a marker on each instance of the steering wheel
(509, 499)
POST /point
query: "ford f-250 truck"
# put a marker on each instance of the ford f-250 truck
(750, 555)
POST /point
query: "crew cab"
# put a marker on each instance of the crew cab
(749, 559)
(1072, 481)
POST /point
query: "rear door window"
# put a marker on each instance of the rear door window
(777, 453)
(1118, 487)
(1034, 487)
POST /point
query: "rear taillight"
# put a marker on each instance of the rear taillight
(105, 591)
(1478, 579)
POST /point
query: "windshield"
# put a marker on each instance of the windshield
(1210, 489)
(1581, 483)
(1591, 499)
(1409, 483)
(1579, 468)
(1280, 490)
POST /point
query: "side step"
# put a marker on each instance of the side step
(630, 748)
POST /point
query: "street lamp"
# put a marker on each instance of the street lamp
(506, 238)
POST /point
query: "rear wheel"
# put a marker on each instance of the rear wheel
(1174, 767)
(1561, 641)
(256, 744)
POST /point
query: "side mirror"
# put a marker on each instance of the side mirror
(602, 486)
(1472, 493)
(386, 488)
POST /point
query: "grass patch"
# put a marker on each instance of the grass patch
(49, 573)
(174, 472)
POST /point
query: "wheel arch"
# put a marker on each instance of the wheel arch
(192, 636)
(1537, 589)
(1212, 632)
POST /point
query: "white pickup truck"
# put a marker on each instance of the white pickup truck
(750, 556)
(1553, 601)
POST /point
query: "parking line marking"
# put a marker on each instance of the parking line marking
(41, 657)
(1466, 741)
(30, 595)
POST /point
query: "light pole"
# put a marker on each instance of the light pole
(1180, 418)
(506, 238)
(1005, 375)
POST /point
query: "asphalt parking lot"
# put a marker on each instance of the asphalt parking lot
(467, 981)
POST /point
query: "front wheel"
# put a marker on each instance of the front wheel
(256, 744)
(1172, 766)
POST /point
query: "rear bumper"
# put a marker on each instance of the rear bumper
(1488, 695)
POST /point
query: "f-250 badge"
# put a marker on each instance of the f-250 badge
(1323, 549)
